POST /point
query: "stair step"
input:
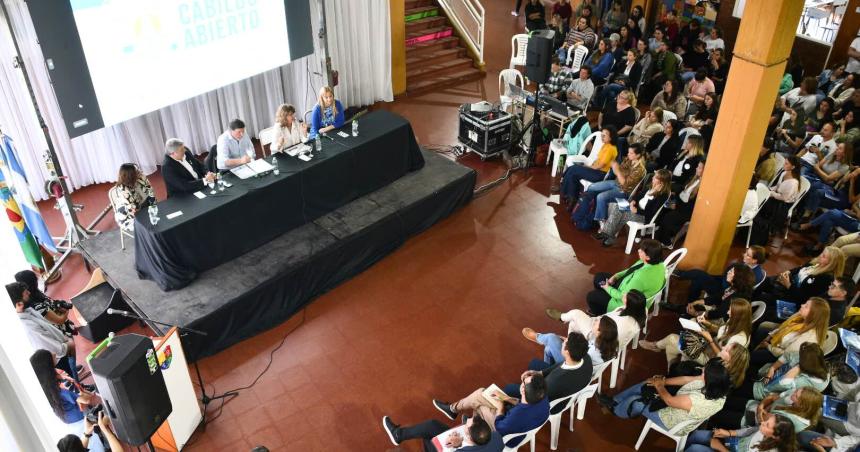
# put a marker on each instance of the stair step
(443, 80)
(435, 55)
(426, 23)
(424, 48)
(419, 10)
(412, 4)
(428, 34)
(433, 68)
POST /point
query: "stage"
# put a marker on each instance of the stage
(265, 286)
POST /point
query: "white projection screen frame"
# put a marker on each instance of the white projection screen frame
(113, 60)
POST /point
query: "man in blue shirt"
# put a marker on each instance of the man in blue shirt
(477, 436)
(234, 146)
(527, 413)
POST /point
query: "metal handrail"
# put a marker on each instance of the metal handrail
(461, 11)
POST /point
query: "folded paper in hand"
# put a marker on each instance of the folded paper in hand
(495, 401)
(691, 325)
(441, 439)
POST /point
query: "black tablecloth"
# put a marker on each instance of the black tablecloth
(254, 211)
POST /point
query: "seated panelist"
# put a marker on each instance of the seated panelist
(182, 172)
(287, 130)
(234, 146)
(327, 113)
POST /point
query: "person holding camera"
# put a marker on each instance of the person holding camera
(70, 402)
(55, 311)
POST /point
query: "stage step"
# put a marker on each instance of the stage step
(425, 23)
(428, 34)
(436, 67)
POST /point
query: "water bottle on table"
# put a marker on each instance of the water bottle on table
(355, 127)
(153, 213)
(318, 144)
(276, 170)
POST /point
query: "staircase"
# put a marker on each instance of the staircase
(435, 57)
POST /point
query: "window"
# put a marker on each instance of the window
(819, 21)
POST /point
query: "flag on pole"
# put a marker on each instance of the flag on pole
(25, 238)
(16, 181)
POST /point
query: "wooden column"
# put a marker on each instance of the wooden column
(397, 14)
(763, 44)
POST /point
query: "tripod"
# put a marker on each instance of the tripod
(205, 398)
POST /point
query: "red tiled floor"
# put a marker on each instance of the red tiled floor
(437, 318)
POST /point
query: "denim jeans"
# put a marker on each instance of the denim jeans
(629, 401)
(570, 185)
(551, 347)
(601, 204)
(831, 219)
(817, 197)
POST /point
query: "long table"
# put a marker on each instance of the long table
(252, 212)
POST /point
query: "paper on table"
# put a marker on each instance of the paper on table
(260, 166)
(173, 215)
(304, 157)
(343, 134)
(243, 172)
(199, 194)
(691, 325)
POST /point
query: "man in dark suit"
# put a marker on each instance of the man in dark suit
(182, 172)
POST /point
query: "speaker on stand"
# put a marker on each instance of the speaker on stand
(129, 381)
(539, 56)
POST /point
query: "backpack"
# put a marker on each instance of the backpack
(583, 215)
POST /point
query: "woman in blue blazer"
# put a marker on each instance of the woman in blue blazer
(327, 113)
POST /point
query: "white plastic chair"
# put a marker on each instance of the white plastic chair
(580, 398)
(597, 373)
(507, 77)
(671, 262)
(267, 136)
(575, 58)
(680, 440)
(763, 193)
(528, 438)
(758, 310)
(680, 63)
(668, 116)
(596, 140)
(635, 227)
(804, 187)
(687, 132)
(830, 342)
(519, 44)
(618, 361)
(780, 161)
(557, 407)
(112, 194)
(762, 280)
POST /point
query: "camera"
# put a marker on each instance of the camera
(63, 304)
(93, 413)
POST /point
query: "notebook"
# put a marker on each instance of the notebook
(834, 408)
(785, 309)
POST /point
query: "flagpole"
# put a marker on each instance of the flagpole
(74, 231)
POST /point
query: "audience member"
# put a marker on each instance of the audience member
(656, 40)
(714, 40)
(679, 209)
(830, 78)
(571, 186)
(666, 66)
(130, 193)
(704, 285)
(601, 62)
(774, 433)
(621, 115)
(55, 311)
(579, 35)
(806, 281)
(647, 275)
(183, 174)
(637, 14)
(528, 411)
(664, 146)
(628, 174)
(670, 98)
(580, 90)
(718, 70)
(697, 399)
(695, 61)
(684, 166)
(42, 333)
(842, 91)
(687, 37)
(641, 208)
(614, 18)
(625, 76)
(647, 127)
(479, 437)
(670, 25)
(535, 15)
(765, 167)
(698, 88)
(809, 324)
(773, 214)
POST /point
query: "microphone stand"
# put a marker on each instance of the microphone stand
(204, 397)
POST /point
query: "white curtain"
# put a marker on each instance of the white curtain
(360, 47)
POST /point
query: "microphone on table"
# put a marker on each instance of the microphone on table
(118, 312)
(326, 136)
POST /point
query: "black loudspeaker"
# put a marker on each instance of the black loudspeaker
(130, 383)
(539, 56)
(92, 306)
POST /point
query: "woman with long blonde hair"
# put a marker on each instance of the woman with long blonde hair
(327, 113)
(803, 282)
(809, 324)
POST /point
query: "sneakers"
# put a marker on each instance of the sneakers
(530, 334)
(392, 429)
(608, 242)
(515, 14)
(599, 236)
(554, 314)
(606, 402)
(445, 408)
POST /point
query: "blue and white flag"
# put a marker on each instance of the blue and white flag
(17, 181)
